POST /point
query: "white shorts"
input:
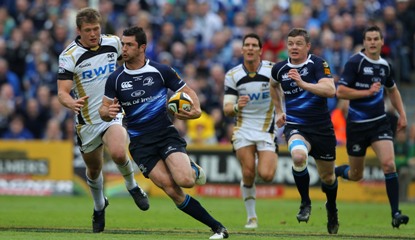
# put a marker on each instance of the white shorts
(264, 141)
(90, 135)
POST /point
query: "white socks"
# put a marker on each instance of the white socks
(249, 195)
(127, 172)
(97, 190)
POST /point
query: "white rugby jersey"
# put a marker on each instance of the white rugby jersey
(259, 113)
(89, 69)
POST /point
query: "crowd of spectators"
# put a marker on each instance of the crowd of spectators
(200, 39)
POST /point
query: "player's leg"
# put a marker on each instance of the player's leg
(93, 161)
(299, 149)
(180, 167)
(161, 176)
(329, 186)
(385, 152)
(115, 139)
(246, 157)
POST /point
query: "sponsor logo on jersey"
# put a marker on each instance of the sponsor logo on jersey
(285, 77)
(126, 86)
(362, 85)
(376, 79)
(101, 70)
(138, 93)
(87, 64)
(367, 71)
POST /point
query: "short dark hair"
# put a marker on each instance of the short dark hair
(138, 32)
(295, 32)
(87, 15)
(373, 28)
(252, 35)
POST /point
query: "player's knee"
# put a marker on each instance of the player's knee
(299, 166)
(328, 178)
(93, 173)
(118, 156)
(299, 153)
(185, 181)
(248, 173)
(268, 175)
(389, 166)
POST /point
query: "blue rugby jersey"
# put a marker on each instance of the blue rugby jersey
(360, 73)
(303, 107)
(143, 95)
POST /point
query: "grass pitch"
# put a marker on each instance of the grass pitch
(62, 217)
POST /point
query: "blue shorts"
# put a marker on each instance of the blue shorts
(148, 149)
(361, 135)
(321, 138)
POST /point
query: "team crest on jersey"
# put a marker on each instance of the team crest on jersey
(304, 72)
(148, 81)
(382, 72)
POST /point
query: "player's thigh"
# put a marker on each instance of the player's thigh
(357, 164)
(267, 163)
(115, 138)
(246, 156)
(161, 176)
(179, 165)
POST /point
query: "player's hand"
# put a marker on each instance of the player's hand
(294, 75)
(192, 114)
(402, 124)
(114, 108)
(281, 118)
(242, 101)
(375, 88)
(78, 104)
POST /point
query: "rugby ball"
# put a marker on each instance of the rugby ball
(179, 100)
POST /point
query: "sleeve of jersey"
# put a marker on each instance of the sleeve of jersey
(390, 82)
(230, 85)
(322, 69)
(171, 78)
(348, 75)
(110, 88)
(119, 48)
(274, 72)
(66, 66)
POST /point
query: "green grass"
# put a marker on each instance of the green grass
(70, 218)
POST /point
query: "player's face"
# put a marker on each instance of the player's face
(130, 49)
(373, 44)
(298, 49)
(251, 50)
(90, 34)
